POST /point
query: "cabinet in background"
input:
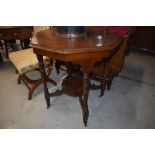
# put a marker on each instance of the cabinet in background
(144, 38)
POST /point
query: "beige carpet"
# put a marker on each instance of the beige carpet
(129, 104)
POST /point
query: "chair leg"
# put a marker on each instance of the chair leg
(21, 43)
(103, 82)
(59, 63)
(103, 87)
(109, 82)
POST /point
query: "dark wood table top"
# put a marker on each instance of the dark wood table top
(50, 42)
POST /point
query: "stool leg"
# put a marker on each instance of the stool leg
(32, 88)
(32, 84)
(19, 79)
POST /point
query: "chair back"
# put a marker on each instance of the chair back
(112, 65)
(115, 63)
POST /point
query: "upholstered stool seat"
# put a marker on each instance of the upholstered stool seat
(25, 61)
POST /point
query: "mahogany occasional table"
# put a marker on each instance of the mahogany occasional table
(83, 51)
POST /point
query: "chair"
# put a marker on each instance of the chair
(25, 61)
(106, 71)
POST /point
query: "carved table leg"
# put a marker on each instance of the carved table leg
(103, 82)
(43, 75)
(84, 98)
(57, 66)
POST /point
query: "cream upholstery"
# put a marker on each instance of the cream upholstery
(40, 28)
(25, 60)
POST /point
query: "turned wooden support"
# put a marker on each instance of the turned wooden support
(85, 98)
(83, 52)
(43, 75)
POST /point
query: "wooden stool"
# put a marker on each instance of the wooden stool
(25, 61)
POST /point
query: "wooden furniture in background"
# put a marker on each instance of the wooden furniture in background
(25, 61)
(82, 51)
(124, 31)
(1, 44)
(13, 33)
(105, 72)
(144, 38)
